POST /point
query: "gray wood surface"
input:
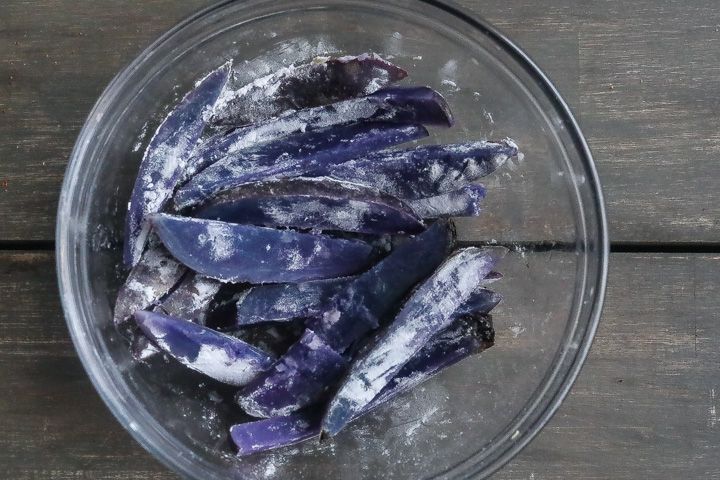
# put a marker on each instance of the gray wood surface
(641, 76)
(647, 404)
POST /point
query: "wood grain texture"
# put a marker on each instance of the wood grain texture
(641, 77)
(55, 60)
(646, 405)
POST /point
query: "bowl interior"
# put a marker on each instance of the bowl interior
(546, 205)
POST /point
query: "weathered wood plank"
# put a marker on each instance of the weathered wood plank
(645, 406)
(53, 422)
(641, 77)
(55, 60)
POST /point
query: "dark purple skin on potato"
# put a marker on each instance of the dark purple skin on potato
(218, 356)
(366, 301)
(286, 302)
(308, 153)
(312, 203)
(148, 282)
(322, 81)
(398, 105)
(427, 311)
(426, 171)
(164, 162)
(464, 202)
(298, 379)
(243, 253)
(466, 337)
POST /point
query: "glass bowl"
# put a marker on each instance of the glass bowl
(547, 207)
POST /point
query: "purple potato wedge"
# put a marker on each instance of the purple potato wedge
(466, 337)
(275, 432)
(218, 356)
(323, 80)
(464, 202)
(148, 282)
(427, 311)
(312, 203)
(481, 301)
(398, 105)
(286, 302)
(366, 301)
(191, 299)
(164, 161)
(298, 379)
(413, 105)
(492, 277)
(242, 253)
(312, 152)
(425, 171)
(356, 310)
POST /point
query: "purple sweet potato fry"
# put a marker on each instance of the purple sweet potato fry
(285, 302)
(313, 203)
(354, 311)
(321, 81)
(312, 152)
(464, 202)
(368, 299)
(165, 159)
(425, 171)
(275, 432)
(148, 282)
(481, 301)
(218, 356)
(413, 105)
(465, 337)
(398, 105)
(427, 311)
(298, 379)
(242, 253)
(192, 298)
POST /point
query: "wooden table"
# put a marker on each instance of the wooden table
(643, 78)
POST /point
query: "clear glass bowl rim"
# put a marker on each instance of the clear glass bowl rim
(64, 254)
